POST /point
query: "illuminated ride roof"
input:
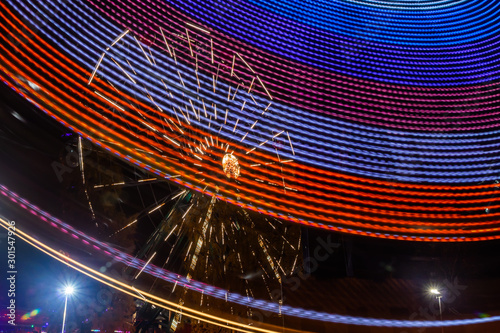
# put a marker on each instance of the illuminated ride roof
(369, 118)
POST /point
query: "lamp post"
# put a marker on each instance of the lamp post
(68, 291)
(436, 292)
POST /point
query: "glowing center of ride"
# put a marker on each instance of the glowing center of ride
(231, 166)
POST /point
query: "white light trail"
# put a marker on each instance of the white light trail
(232, 66)
(194, 110)
(120, 37)
(212, 49)
(130, 66)
(150, 127)
(145, 54)
(125, 227)
(147, 263)
(187, 120)
(80, 156)
(290, 142)
(171, 140)
(189, 43)
(156, 208)
(278, 134)
(237, 120)
(251, 84)
(236, 91)
(198, 27)
(253, 99)
(263, 86)
(180, 130)
(108, 100)
(146, 180)
(138, 293)
(245, 62)
(178, 194)
(151, 54)
(175, 58)
(183, 216)
(96, 67)
(180, 77)
(170, 233)
(267, 107)
(197, 78)
(166, 43)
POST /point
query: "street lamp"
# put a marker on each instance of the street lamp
(68, 291)
(438, 295)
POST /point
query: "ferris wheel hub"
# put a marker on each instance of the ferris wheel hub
(231, 166)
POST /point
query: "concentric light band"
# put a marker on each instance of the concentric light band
(369, 158)
(182, 281)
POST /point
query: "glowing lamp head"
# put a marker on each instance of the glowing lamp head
(69, 290)
(231, 166)
(434, 291)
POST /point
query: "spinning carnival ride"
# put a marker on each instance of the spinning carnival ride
(363, 117)
(379, 148)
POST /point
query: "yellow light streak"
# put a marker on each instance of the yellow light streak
(129, 290)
